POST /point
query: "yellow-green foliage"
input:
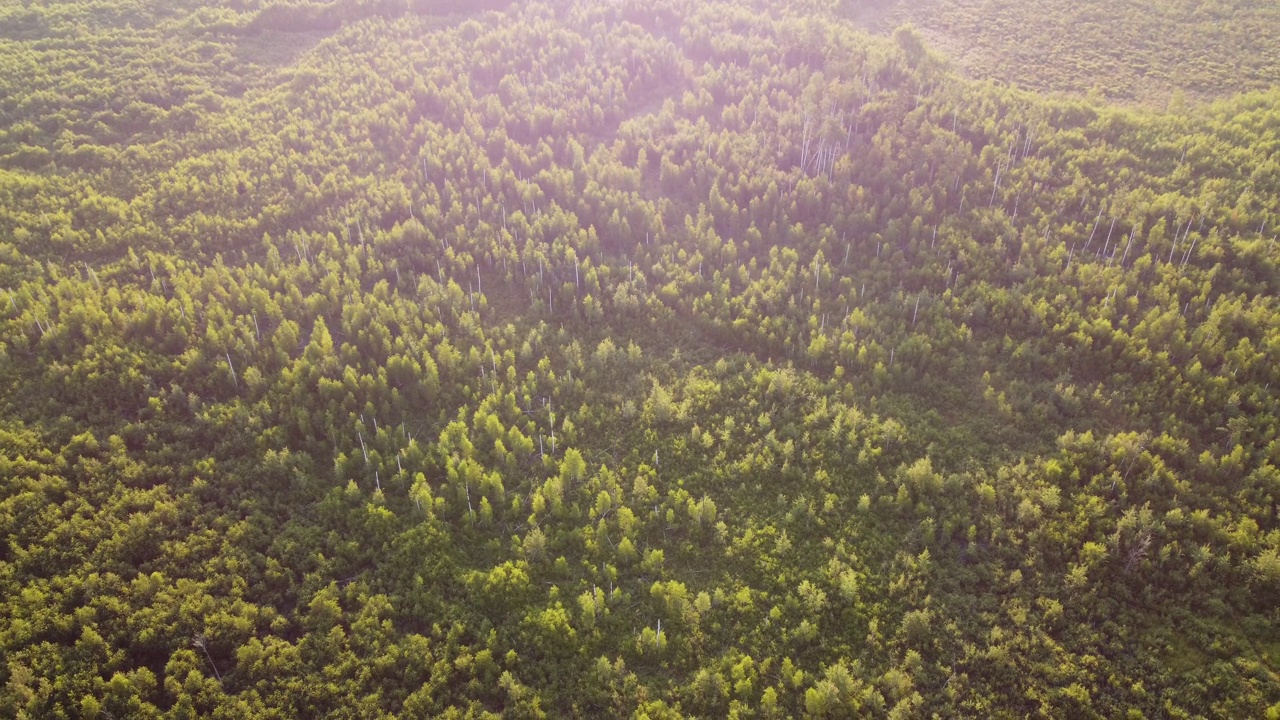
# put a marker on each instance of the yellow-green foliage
(635, 358)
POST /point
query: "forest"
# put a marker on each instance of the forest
(639, 358)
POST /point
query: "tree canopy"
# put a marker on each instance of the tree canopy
(644, 358)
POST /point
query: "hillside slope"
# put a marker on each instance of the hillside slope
(651, 359)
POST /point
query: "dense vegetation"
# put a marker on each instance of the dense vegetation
(649, 358)
(1149, 51)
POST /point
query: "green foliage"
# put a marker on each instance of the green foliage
(616, 359)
